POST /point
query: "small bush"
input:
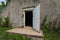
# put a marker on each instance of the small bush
(45, 24)
(0, 21)
(5, 22)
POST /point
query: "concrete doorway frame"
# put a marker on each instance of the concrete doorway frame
(26, 9)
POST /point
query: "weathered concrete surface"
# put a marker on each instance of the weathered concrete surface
(47, 7)
(26, 31)
(15, 8)
(29, 32)
(51, 8)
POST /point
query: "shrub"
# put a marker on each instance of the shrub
(45, 24)
(0, 21)
(4, 22)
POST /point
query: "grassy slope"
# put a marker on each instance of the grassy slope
(51, 34)
(7, 36)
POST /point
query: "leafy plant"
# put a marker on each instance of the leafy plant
(45, 24)
(7, 2)
(0, 21)
(7, 20)
(3, 5)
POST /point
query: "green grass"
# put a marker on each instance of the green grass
(51, 34)
(7, 36)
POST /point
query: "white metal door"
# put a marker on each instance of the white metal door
(36, 18)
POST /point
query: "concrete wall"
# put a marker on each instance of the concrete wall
(51, 8)
(15, 10)
(57, 3)
(56, 14)
(48, 8)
